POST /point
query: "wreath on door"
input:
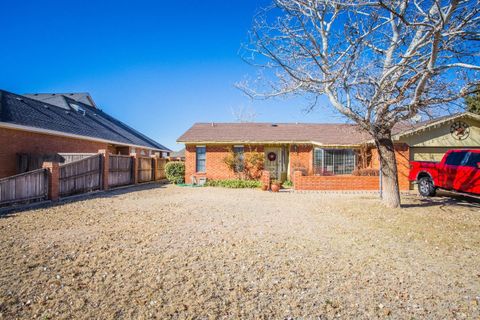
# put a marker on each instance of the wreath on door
(272, 156)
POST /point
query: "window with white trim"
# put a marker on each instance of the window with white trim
(201, 156)
(334, 161)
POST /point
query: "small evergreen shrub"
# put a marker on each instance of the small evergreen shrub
(287, 184)
(233, 183)
(175, 171)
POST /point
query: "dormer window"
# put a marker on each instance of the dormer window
(77, 108)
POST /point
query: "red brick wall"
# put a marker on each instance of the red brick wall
(301, 158)
(216, 169)
(402, 152)
(16, 141)
(340, 182)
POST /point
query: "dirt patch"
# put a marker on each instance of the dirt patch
(218, 253)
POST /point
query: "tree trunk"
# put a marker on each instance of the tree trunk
(388, 164)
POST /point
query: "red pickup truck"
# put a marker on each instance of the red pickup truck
(459, 171)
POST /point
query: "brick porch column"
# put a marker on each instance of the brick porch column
(134, 168)
(53, 179)
(266, 178)
(296, 175)
(105, 167)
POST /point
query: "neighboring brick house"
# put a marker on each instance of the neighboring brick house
(326, 154)
(44, 125)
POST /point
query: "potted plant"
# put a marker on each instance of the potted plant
(264, 187)
(276, 185)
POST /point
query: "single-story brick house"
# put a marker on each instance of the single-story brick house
(327, 155)
(43, 125)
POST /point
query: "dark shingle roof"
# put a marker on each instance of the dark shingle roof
(322, 133)
(57, 99)
(89, 122)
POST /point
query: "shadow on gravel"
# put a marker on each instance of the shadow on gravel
(9, 211)
(444, 198)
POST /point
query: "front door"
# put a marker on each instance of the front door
(273, 160)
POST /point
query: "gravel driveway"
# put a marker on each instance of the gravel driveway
(209, 253)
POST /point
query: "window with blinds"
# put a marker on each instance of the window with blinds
(334, 161)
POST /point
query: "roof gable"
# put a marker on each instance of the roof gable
(58, 99)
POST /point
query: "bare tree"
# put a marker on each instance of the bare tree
(378, 62)
(244, 114)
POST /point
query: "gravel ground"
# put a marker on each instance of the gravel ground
(172, 252)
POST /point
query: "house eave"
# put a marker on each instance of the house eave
(399, 135)
(200, 142)
(12, 126)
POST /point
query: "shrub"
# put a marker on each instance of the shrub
(287, 184)
(250, 168)
(175, 171)
(233, 183)
(365, 172)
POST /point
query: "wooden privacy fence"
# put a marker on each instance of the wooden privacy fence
(120, 170)
(145, 170)
(25, 187)
(160, 174)
(71, 157)
(80, 176)
(80, 173)
(28, 161)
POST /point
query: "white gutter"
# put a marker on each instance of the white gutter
(70, 135)
(271, 142)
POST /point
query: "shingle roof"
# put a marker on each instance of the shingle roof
(318, 133)
(321, 133)
(178, 154)
(89, 122)
(57, 99)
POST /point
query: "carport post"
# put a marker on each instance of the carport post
(380, 182)
(105, 167)
(133, 155)
(154, 167)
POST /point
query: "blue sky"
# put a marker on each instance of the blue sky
(159, 66)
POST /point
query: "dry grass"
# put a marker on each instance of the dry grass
(175, 252)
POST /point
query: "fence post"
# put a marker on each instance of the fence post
(154, 169)
(105, 168)
(134, 167)
(53, 179)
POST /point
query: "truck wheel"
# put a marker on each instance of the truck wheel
(425, 187)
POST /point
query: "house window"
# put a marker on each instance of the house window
(334, 161)
(201, 157)
(239, 158)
